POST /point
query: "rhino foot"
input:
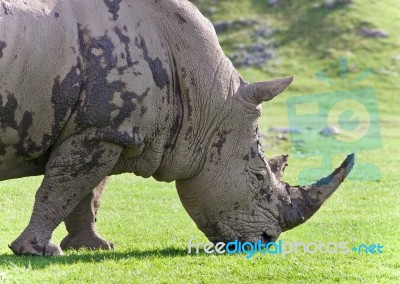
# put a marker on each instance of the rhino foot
(85, 241)
(35, 247)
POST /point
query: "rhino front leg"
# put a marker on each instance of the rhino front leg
(75, 167)
(81, 223)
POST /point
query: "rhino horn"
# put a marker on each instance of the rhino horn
(304, 201)
(257, 93)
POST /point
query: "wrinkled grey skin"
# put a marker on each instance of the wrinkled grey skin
(95, 88)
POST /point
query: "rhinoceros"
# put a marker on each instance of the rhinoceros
(95, 88)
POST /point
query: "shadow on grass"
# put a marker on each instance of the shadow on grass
(86, 256)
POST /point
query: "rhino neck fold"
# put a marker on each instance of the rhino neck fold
(202, 82)
(199, 118)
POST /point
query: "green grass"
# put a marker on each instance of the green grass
(149, 226)
(151, 229)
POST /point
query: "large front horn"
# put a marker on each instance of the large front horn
(304, 201)
(257, 93)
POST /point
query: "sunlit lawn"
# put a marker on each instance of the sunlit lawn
(151, 230)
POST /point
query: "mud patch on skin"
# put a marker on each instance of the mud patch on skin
(7, 113)
(128, 106)
(126, 41)
(3, 45)
(89, 149)
(221, 141)
(65, 95)
(26, 122)
(216, 147)
(160, 75)
(113, 7)
(25, 147)
(96, 109)
(6, 9)
(125, 110)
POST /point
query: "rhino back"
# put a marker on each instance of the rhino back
(71, 66)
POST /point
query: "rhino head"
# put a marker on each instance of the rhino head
(238, 194)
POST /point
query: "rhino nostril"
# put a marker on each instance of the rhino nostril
(265, 238)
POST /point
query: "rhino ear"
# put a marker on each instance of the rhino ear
(257, 93)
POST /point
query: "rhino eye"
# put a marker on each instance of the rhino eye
(259, 177)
